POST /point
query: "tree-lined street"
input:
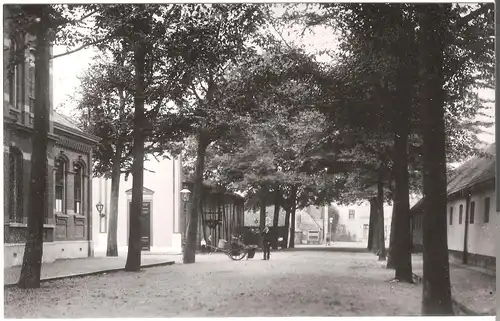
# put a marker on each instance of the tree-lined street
(304, 282)
(250, 113)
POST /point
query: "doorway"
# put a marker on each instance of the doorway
(145, 225)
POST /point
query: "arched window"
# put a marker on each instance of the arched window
(78, 191)
(60, 185)
(31, 81)
(16, 184)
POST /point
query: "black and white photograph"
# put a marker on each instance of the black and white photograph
(173, 160)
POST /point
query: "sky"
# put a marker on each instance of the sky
(67, 69)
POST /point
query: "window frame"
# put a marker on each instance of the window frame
(487, 209)
(460, 214)
(31, 80)
(78, 190)
(353, 212)
(16, 210)
(451, 215)
(62, 164)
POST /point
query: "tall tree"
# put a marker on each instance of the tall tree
(148, 34)
(105, 109)
(40, 16)
(436, 298)
(213, 41)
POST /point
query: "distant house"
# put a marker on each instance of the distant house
(471, 218)
(252, 218)
(308, 227)
(354, 222)
(309, 223)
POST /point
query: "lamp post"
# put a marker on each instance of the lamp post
(331, 227)
(99, 206)
(185, 195)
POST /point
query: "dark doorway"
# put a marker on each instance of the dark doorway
(145, 225)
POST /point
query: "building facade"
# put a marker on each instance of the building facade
(67, 217)
(354, 222)
(161, 221)
(471, 217)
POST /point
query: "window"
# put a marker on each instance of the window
(15, 185)
(11, 75)
(78, 189)
(451, 215)
(472, 212)
(31, 82)
(486, 210)
(460, 213)
(60, 186)
(351, 214)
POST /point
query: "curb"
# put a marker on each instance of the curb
(80, 275)
(459, 307)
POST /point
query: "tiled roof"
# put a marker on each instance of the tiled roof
(474, 171)
(65, 121)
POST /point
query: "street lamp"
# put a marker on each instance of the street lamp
(99, 206)
(185, 194)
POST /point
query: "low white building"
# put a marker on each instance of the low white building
(354, 222)
(471, 218)
(161, 215)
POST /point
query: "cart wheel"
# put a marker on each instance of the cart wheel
(237, 256)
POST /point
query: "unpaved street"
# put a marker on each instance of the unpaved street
(302, 283)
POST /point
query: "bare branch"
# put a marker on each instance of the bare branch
(93, 43)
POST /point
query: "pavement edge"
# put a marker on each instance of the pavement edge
(80, 275)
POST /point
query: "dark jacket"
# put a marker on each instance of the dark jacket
(266, 237)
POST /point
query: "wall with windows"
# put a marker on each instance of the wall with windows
(69, 159)
(482, 223)
(483, 220)
(354, 219)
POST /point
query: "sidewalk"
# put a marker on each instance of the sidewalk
(471, 287)
(84, 266)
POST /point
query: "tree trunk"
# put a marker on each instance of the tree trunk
(135, 225)
(371, 227)
(293, 209)
(401, 249)
(381, 221)
(436, 298)
(32, 259)
(112, 246)
(276, 216)
(287, 228)
(192, 226)
(390, 256)
(262, 208)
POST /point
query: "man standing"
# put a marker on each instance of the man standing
(266, 236)
(209, 244)
(203, 246)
